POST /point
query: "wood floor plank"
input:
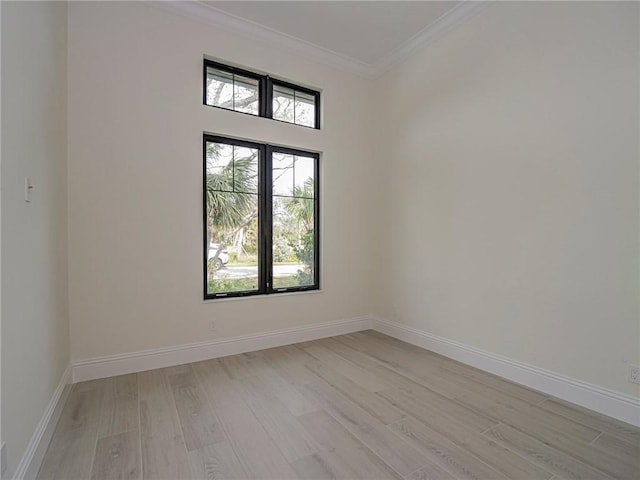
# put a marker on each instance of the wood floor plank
(164, 453)
(358, 375)
(82, 409)
(342, 450)
(70, 455)
(289, 362)
(200, 425)
(446, 376)
(409, 365)
(88, 385)
(498, 404)
(431, 472)
(119, 409)
(118, 457)
(286, 392)
(395, 452)
(460, 370)
(442, 452)
(425, 403)
(256, 451)
(457, 430)
(613, 427)
(557, 462)
(529, 421)
(626, 452)
(387, 375)
(216, 462)
(423, 367)
(237, 366)
(476, 395)
(282, 426)
(612, 465)
(472, 393)
(315, 467)
(178, 369)
(373, 404)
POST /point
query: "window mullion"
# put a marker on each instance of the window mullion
(267, 235)
(233, 92)
(264, 93)
(294, 106)
(268, 97)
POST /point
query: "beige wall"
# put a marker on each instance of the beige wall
(35, 333)
(511, 154)
(136, 121)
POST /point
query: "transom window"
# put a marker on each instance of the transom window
(243, 91)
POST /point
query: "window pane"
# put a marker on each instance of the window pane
(235, 92)
(305, 109)
(283, 104)
(232, 218)
(219, 158)
(232, 261)
(282, 174)
(245, 95)
(293, 210)
(303, 174)
(219, 88)
(245, 170)
(293, 242)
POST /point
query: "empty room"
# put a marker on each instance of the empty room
(320, 240)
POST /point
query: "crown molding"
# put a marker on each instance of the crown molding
(202, 12)
(438, 28)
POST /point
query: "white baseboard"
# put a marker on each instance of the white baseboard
(608, 402)
(37, 446)
(112, 365)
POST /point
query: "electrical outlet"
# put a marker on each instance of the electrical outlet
(634, 374)
(3, 458)
(212, 325)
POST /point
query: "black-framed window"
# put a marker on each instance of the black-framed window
(260, 218)
(243, 91)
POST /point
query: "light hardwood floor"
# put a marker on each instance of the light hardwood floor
(356, 406)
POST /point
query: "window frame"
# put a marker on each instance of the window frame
(265, 217)
(296, 88)
(265, 92)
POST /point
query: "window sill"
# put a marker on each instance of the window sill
(254, 297)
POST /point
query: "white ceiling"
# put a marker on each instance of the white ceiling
(366, 38)
(367, 31)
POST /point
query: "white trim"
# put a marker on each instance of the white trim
(112, 365)
(37, 446)
(608, 402)
(205, 13)
(445, 23)
(3, 458)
